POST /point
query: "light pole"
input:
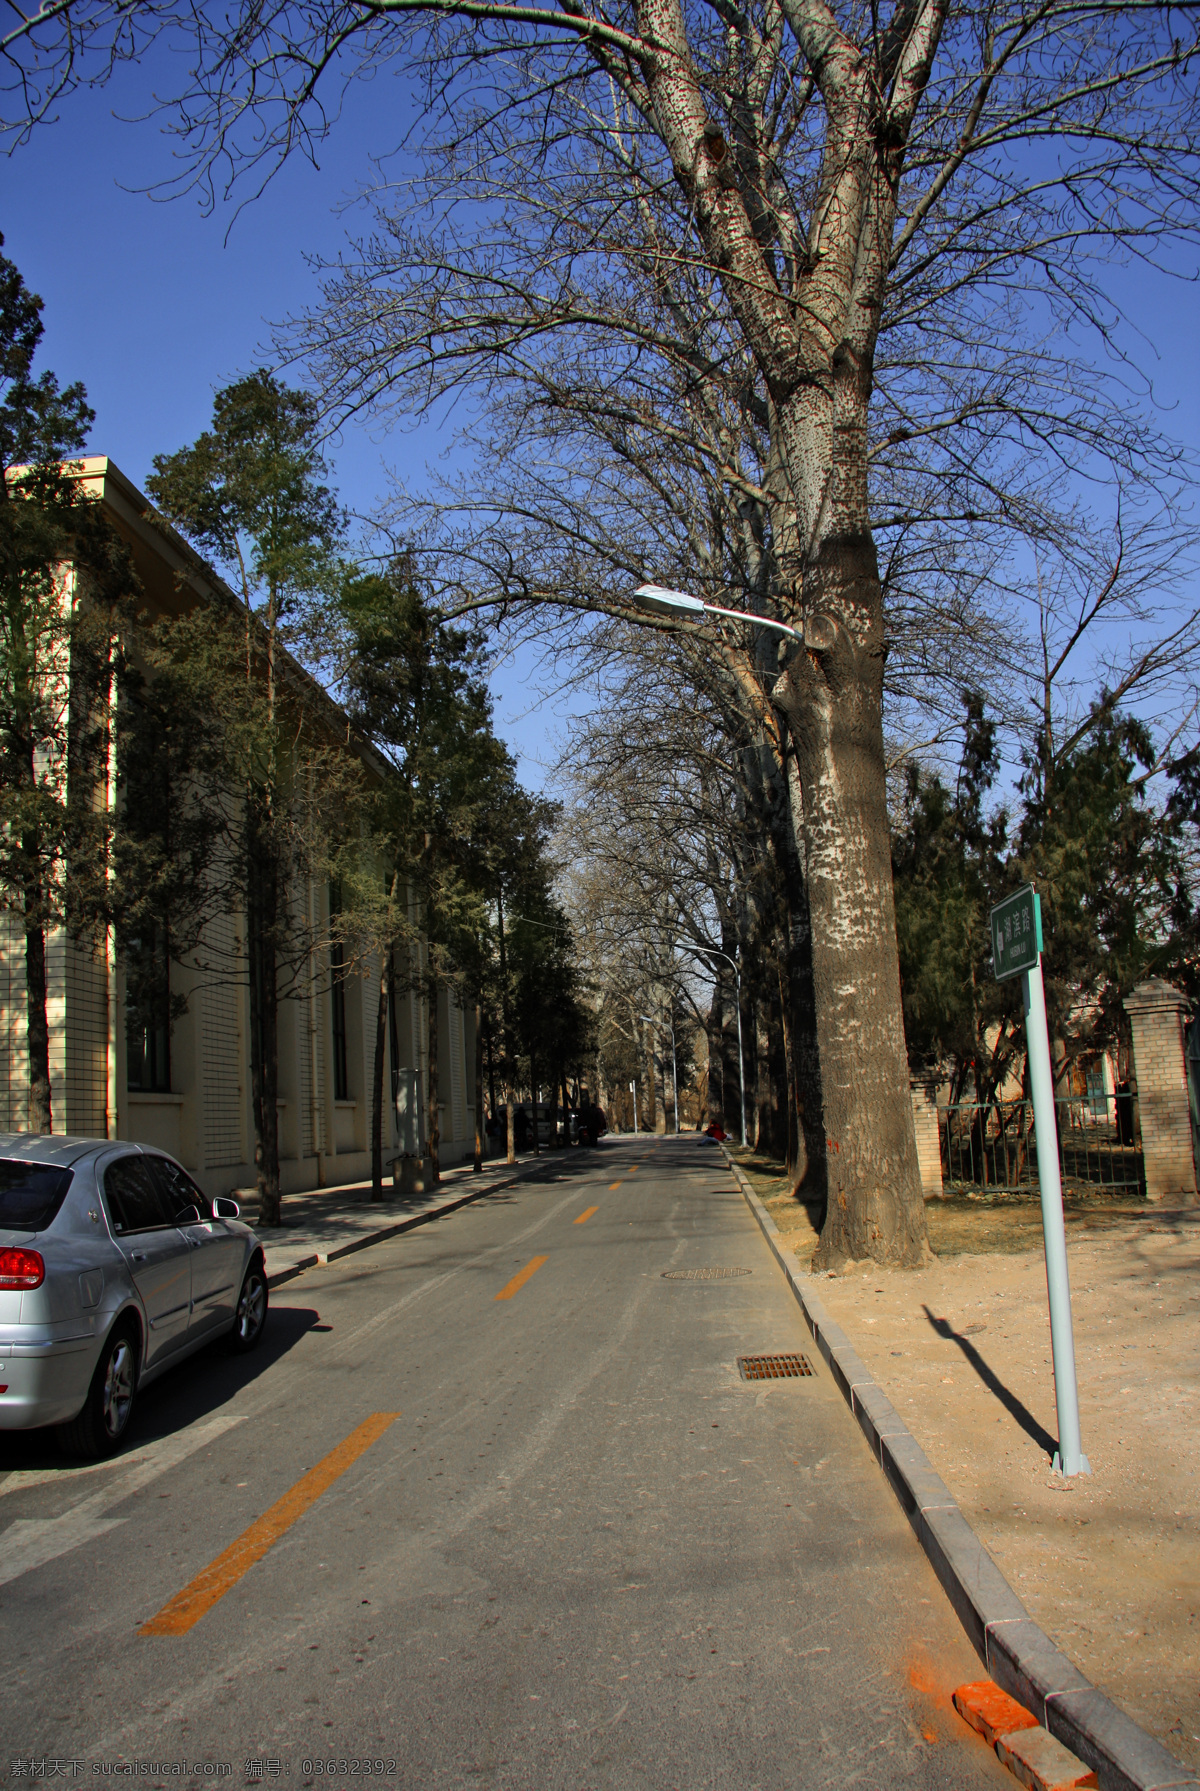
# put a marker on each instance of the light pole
(674, 1075)
(712, 951)
(681, 605)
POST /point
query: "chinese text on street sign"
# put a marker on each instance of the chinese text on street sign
(1016, 933)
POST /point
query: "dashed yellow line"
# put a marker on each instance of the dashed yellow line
(613, 1186)
(185, 1610)
(521, 1277)
(584, 1217)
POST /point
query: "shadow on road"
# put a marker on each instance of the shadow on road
(994, 1384)
(199, 1386)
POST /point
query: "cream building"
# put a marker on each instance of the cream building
(186, 1088)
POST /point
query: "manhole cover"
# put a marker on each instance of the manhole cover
(773, 1368)
(703, 1274)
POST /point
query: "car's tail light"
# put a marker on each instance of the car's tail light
(23, 1269)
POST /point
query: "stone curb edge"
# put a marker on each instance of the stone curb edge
(320, 1257)
(1019, 1655)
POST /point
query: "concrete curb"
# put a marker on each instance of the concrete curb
(1019, 1655)
(319, 1258)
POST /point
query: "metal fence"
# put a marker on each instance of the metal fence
(992, 1144)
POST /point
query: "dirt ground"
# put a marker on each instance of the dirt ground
(1109, 1565)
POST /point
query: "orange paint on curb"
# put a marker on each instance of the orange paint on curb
(518, 1281)
(183, 1611)
(584, 1217)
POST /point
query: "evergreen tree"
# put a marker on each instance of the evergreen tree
(949, 867)
(1109, 865)
(416, 690)
(250, 494)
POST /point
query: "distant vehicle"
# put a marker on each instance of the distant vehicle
(549, 1119)
(113, 1267)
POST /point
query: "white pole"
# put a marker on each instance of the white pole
(1070, 1458)
(674, 1077)
(633, 1091)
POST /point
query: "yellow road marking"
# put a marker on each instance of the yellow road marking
(613, 1186)
(180, 1613)
(584, 1217)
(518, 1281)
(633, 1169)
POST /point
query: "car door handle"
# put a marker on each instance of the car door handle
(138, 1255)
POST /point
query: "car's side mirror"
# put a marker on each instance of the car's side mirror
(190, 1215)
(224, 1208)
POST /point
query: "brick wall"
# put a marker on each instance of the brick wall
(929, 1144)
(1156, 1013)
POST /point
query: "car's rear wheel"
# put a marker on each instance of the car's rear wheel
(251, 1317)
(104, 1420)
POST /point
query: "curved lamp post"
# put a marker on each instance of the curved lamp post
(712, 952)
(681, 606)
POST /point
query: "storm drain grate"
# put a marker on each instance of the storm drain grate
(773, 1368)
(703, 1274)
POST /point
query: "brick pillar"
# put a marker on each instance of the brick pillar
(1156, 1012)
(929, 1143)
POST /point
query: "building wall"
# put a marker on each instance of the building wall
(206, 1117)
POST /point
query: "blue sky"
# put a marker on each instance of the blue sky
(154, 305)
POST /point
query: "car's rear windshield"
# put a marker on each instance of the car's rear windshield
(30, 1194)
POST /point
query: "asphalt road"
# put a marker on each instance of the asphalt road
(493, 1507)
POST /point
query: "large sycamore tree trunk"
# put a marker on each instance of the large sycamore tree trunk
(874, 1201)
(814, 347)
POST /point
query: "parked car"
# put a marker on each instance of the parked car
(113, 1267)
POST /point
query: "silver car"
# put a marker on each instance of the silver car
(113, 1266)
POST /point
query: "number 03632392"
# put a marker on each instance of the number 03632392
(330, 1769)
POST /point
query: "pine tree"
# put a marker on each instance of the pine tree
(250, 494)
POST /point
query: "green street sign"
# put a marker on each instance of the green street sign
(1016, 933)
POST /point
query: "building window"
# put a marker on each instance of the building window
(148, 1015)
(337, 997)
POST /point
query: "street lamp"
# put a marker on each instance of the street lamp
(711, 950)
(680, 605)
(674, 1075)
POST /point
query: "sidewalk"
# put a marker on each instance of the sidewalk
(1109, 1566)
(327, 1223)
